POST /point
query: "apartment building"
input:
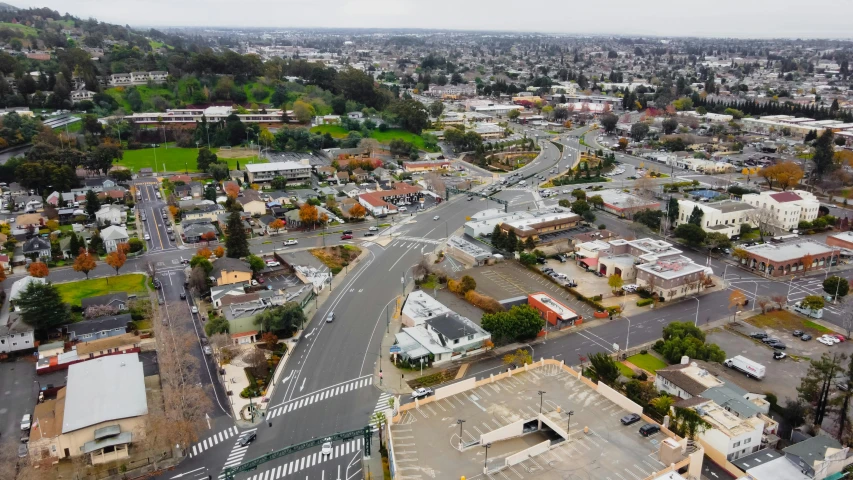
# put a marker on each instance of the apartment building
(785, 209)
(719, 217)
(294, 172)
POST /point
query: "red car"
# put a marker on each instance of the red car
(261, 280)
(839, 336)
(346, 236)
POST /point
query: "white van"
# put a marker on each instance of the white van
(523, 182)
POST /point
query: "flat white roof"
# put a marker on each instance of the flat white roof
(790, 251)
(276, 166)
(419, 307)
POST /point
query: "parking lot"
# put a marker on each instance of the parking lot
(426, 439)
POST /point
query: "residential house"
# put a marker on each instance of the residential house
(97, 328)
(113, 236)
(251, 201)
(266, 221)
(819, 457)
(785, 210)
(111, 215)
(227, 271)
(205, 210)
(785, 258)
(117, 300)
(718, 217)
(194, 231)
(15, 335)
(382, 202)
(35, 220)
(360, 174)
(342, 177)
(37, 248)
(442, 337)
(100, 412)
(326, 172)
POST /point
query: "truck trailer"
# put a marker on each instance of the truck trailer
(751, 369)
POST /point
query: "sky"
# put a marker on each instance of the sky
(702, 18)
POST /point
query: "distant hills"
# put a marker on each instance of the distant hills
(5, 7)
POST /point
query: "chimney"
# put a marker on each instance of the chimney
(685, 360)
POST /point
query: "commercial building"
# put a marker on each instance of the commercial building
(467, 252)
(451, 92)
(383, 202)
(785, 258)
(624, 204)
(785, 210)
(536, 223)
(99, 413)
(188, 117)
(724, 217)
(426, 166)
(841, 239)
(293, 172)
(553, 311)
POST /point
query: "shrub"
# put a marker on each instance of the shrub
(645, 301)
(643, 352)
(484, 302)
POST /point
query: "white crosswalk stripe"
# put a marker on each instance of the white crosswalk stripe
(381, 405)
(411, 241)
(308, 461)
(237, 452)
(212, 440)
(323, 394)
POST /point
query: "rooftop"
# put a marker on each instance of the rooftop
(104, 389)
(620, 199)
(419, 307)
(725, 421)
(672, 268)
(782, 252)
(277, 166)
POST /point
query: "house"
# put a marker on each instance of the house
(15, 335)
(326, 172)
(426, 166)
(37, 247)
(194, 231)
(113, 236)
(342, 177)
(117, 300)
(205, 210)
(97, 328)
(293, 172)
(230, 270)
(819, 457)
(80, 95)
(360, 174)
(382, 202)
(724, 217)
(785, 210)
(443, 337)
(267, 220)
(251, 201)
(100, 412)
(111, 215)
(785, 258)
(35, 220)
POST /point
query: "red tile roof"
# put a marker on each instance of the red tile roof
(782, 197)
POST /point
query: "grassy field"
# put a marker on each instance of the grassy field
(647, 362)
(73, 292)
(176, 159)
(145, 92)
(336, 131)
(25, 30)
(625, 370)
(787, 321)
(248, 89)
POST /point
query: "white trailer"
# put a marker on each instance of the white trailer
(747, 366)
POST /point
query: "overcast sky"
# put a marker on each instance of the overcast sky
(714, 18)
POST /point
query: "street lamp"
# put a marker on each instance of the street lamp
(696, 322)
(460, 422)
(627, 337)
(486, 461)
(541, 397)
(569, 424)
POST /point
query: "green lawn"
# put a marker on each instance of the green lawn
(176, 159)
(647, 362)
(336, 131)
(625, 370)
(73, 292)
(145, 92)
(248, 89)
(25, 30)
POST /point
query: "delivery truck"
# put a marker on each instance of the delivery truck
(747, 366)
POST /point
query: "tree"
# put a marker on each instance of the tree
(688, 423)
(741, 254)
(497, 237)
(42, 307)
(736, 300)
(232, 190)
(669, 125)
(270, 340)
(205, 159)
(824, 153)
(356, 211)
(690, 233)
(639, 131)
(303, 111)
(93, 204)
(203, 252)
(813, 302)
(603, 369)
(662, 404)
(308, 214)
(276, 225)
(518, 358)
(467, 283)
(84, 262)
(198, 279)
(836, 286)
(615, 282)
(696, 216)
(38, 270)
(286, 318)
(256, 263)
(116, 259)
(816, 386)
(219, 251)
(596, 201)
(236, 244)
(608, 122)
(520, 322)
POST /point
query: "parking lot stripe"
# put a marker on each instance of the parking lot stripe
(422, 413)
(438, 404)
(478, 430)
(516, 472)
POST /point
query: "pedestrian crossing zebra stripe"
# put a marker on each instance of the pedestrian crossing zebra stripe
(309, 460)
(212, 440)
(323, 394)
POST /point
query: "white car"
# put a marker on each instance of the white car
(373, 229)
(291, 242)
(273, 263)
(194, 309)
(326, 449)
(403, 209)
(435, 217)
(421, 393)
(254, 283)
(147, 237)
(825, 341)
(26, 421)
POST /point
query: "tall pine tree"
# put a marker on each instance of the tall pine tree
(236, 245)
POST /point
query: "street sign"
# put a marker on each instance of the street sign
(395, 349)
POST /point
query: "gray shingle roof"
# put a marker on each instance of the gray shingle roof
(812, 449)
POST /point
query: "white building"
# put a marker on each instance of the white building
(785, 209)
(113, 236)
(292, 171)
(114, 214)
(15, 335)
(720, 217)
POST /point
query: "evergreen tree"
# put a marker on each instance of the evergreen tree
(498, 238)
(696, 216)
(92, 203)
(673, 209)
(236, 245)
(74, 245)
(823, 154)
(511, 242)
(42, 307)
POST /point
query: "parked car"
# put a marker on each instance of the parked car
(183, 296)
(805, 337)
(778, 345)
(648, 430)
(422, 393)
(769, 340)
(22, 450)
(629, 419)
(147, 237)
(194, 309)
(26, 421)
(373, 229)
(290, 242)
(207, 350)
(758, 335)
(798, 333)
(273, 263)
(779, 355)
(839, 336)
(825, 341)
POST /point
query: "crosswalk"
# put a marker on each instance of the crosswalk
(212, 440)
(381, 406)
(400, 240)
(319, 395)
(238, 452)
(295, 466)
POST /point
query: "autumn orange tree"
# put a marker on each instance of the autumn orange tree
(38, 270)
(807, 260)
(174, 211)
(277, 224)
(208, 236)
(736, 300)
(84, 262)
(308, 214)
(204, 252)
(357, 211)
(232, 190)
(116, 259)
(219, 252)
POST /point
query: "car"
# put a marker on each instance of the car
(422, 392)
(147, 237)
(839, 336)
(157, 284)
(330, 317)
(247, 439)
(842, 386)
(369, 234)
(805, 337)
(825, 341)
(778, 345)
(435, 217)
(183, 296)
(769, 340)
(347, 232)
(758, 335)
(798, 333)
(346, 236)
(273, 263)
(831, 338)
(169, 228)
(254, 283)
(172, 237)
(207, 350)
(402, 209)
(326, 449)
(547, 270)
(261, 280)
(185, 261)
(26, 421)
(290, 242)
(373, 229)
(194, 309)
(779, 355)
(22, 450)
(649, 429)
(470, 198)
(629, 419)
(540, 260)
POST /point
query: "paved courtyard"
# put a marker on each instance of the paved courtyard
(425, 441)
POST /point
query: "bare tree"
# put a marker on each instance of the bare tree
(436, 184)
(96, 311)
(780, 300)
(762, 218)
(763, 302)
(198, 280)
(220, 340)
(847, 319)
(422, 269)
(257, 362)
(370, 145)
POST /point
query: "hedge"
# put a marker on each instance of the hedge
(645, 301)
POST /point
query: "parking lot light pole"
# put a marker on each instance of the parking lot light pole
(486, 461)
(541, 397)
(460, 422)
(569, 423)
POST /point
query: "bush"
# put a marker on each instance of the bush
(453, 286)
(643, 352)
(483, 302)
(645, 301)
